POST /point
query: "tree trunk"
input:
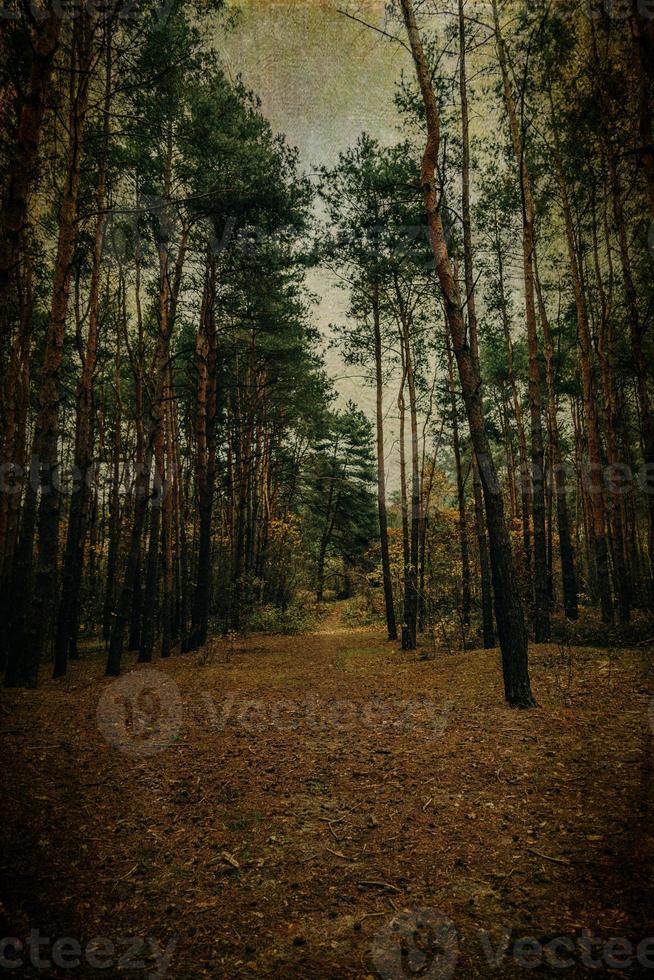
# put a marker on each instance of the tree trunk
(404, 503)
(637, 328)
(409, 631)
(114, 506)
(615, 494)
(542, 627)
(461, 496)
(480, 521)
(595, 469)
(130, 599)
(525, 475)
(558, 489)
(205, 431)
(14, 450)
(508, 606)
(66, 629)
(30, 642)
(391, 625)
(24, 156)
(643, 38)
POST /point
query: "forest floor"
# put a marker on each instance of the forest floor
(292, 806)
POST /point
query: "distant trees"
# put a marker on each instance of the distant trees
(340, 496)
(375, 245)
(177, 391)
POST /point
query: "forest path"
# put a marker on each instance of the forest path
(333, 622)
(306, 788)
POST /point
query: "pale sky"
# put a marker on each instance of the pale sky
(322, 80)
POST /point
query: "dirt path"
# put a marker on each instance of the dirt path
(269, 808)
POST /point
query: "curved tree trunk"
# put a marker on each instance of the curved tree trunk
(508, 606)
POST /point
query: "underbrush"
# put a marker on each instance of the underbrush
(301, 615)
(365, 609)
(589, 630)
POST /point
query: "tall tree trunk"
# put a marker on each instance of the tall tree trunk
(157, 417)
(404, 501)
(25, 151)
(615, 494)
(595, 469)
(409, 632)
(542, 627)
(151, 584)
(168, 502)
(509, 453)
(66, 628)
(205, 440)
(525, 474)
(525, 481)
(559, 489)
(508, 606)
(637, 329)
(391, 625)
(461, 495)
(14, 449)
(114, 505)
(468, 264)
(130, 598)
(643, 38)
(33, 628)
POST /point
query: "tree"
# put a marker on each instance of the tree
(508, 607)
(340, 494)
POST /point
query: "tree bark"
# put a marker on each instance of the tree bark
(30, 638)
(559, 482)
(637, 328)
(542, 628)
(66, 628)
(409, 631)
(508, 606)
(205, 439)
(461, 496)
(24, 158)
(595, 469)
(391, 625)
(468, 265)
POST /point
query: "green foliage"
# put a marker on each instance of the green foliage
(299, 616)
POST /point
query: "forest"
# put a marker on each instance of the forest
(313, 462)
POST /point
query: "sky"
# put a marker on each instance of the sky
(323, 80)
